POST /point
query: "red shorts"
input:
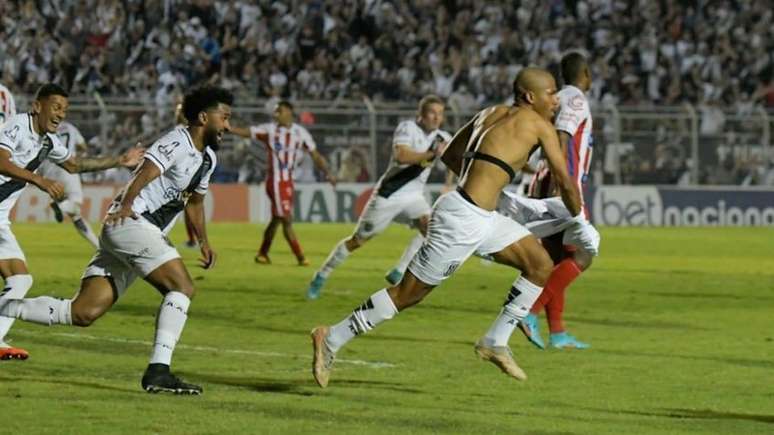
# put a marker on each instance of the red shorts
(280, 196)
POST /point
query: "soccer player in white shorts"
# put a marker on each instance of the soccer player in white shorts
(398, 193)
(484, 153)
(26, 140)
(71, 138)
(572, 251)
(173, 177)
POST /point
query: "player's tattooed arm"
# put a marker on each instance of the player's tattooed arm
(129, 159)
(194, 211)
(147, 173)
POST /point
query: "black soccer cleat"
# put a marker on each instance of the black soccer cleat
(57, 212)
(158, 379)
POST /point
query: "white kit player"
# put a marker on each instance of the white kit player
(173, 177)
(73, 191)
(26, 140)
(545, 215)
(399, 192)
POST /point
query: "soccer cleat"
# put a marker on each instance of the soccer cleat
(315, 287)
(303, 262)
(262, 259)
(322, 361)
(9, 353)
(158, 379)
(394, 276)
(563, 340)
(502, 357)
(57, 212)
(529, 326)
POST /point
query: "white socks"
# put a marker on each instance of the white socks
(16, 287)
(375, 310)
(169, 325)
(44, 310)
(408, 254)
(520, 299)
(335, 258)
(84, 229)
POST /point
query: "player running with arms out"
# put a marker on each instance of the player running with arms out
(284, 140)
(174, 177)
(400, 191)
(485, 153)
(26, 140)
(71, 138)
(572, 251)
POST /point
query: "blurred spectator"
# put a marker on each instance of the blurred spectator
(353, 167)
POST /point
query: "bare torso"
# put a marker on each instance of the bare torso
(506, 133)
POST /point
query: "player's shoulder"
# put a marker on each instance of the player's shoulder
(573, 98)
(407, 127)
(298, 128)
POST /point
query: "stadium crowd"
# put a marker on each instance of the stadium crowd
(645, 52)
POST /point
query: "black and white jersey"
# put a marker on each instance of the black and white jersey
(28, 150)
(184, 170)
(410, 178)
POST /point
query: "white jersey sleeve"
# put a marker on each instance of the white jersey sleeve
(306, 139)
(165, 152)
(204, 183)
(10, 136)
(574, 109)
(405, 135)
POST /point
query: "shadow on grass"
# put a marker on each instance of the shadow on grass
(301, 387)
(743, 362)
(707, 414)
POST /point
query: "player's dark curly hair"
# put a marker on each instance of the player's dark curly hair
(50, 89)
(573, 65)
(203, 98)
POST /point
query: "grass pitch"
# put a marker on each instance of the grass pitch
(680, 323)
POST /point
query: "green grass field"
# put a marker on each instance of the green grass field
(680, 322)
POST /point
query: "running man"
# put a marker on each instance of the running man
(72, 139)
(400, 191)
(284, 140)
(174, 176)
(546, 218)
(26, 140)
(485, 153)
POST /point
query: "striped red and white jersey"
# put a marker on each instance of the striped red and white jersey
(284, 146)
(574, 118)
(7, 104)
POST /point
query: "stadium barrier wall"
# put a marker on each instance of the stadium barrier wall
(319, 202)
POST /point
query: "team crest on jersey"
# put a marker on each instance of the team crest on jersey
(12, 133)
(576, 102)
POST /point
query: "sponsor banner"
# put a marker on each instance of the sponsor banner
(313, 202)
(319, 202)
(673, 206)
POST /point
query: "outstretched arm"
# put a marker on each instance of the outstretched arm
(240, 131)
(129, 159)
(194, 211)
(322, 164)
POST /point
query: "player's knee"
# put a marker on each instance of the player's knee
(539, 268)
(583, 260)
(355, 242)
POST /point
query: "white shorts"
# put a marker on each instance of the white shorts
(546, 217)
(380, 211)
(135, 248)
(71, 182)
(9, 247)
(457, 230)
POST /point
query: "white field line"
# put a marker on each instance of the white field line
(209, 349)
